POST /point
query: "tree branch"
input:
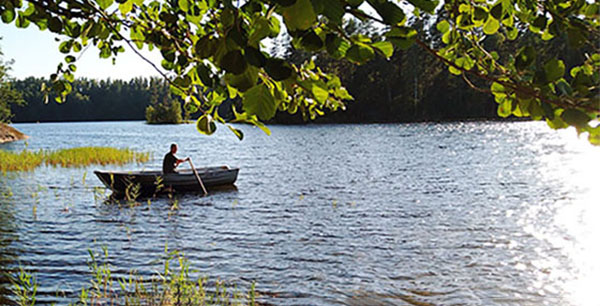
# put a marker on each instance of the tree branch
(516, 87)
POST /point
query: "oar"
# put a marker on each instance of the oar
(198, 177)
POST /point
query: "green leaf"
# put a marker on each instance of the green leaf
(261, 28)
(525, 58)
(449, 37)
(8, 15)
(69, 77)
(22, 21)
(402, 37)
(65, 46)
(318, 6)
(576, 38)
(556, 123)
(278, 69)
(539, 23)
(360, 53)
(575, 117)
(554, 69)
(299, 16)
(126, 7)
(183, 81)
(244, 81)
(318, 90)
(522, 107)
(274, 27)
(204, 73)
(254, 57)
(234, 62)
(285, 3)
(77, 47)
(426, 5)
(594, 135)
(505, 108)
(564, 88)
(454, 70)
(333, 10)
(535, 110)
(480, 15)
(104, 4)
(320, 94)
(206, 47)
(259, 101)
(206, 125)
(55, 25)
(354, 3)
(184, 5)
(592, 10)
(497, 11)
(310, 41)
(512, 33)
(498, 90)
(238, 37)
(336, 46)
(443, 26)
(72, 29)
(385, 47)
(491, 26)
(389, 12)
(236, 132)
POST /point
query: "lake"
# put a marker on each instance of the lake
(474, 213)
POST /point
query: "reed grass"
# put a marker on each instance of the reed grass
(75, 157)
(22, 161)
(172, 286)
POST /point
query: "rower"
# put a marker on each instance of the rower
(170, 162)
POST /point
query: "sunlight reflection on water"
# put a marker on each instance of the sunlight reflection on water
(574, 228)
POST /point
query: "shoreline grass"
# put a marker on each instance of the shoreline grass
(174, 285)
(74, 157)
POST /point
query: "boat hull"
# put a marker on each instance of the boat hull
(134, 184)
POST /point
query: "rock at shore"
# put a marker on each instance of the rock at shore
(8, 134)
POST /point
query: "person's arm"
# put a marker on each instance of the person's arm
(179, 161)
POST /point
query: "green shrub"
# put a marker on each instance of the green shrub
(169, 112)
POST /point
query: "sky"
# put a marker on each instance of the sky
(35, 53)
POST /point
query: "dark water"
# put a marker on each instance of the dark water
(459, 213)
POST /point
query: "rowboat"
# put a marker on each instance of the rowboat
(134, 184)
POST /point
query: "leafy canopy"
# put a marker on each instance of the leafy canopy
(214, 50)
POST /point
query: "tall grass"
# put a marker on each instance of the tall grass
(76, 157)
(22, 161)
(84, 156)
(169, 287)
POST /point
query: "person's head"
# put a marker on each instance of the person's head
(173, 148)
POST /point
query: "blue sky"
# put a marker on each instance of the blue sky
(35, 53)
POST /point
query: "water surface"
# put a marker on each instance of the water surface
(455, 213)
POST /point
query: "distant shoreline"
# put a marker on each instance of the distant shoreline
(9, 134)
(319, 122)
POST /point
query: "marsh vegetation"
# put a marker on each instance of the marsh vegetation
(75, 157)
(176, 284)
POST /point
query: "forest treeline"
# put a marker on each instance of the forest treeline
(410, 86)
(91, 100)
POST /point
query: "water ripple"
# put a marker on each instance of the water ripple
(417, 214)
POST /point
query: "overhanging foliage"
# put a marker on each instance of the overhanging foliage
(214, 50)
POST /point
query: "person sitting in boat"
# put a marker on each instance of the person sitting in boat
(170, 162)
